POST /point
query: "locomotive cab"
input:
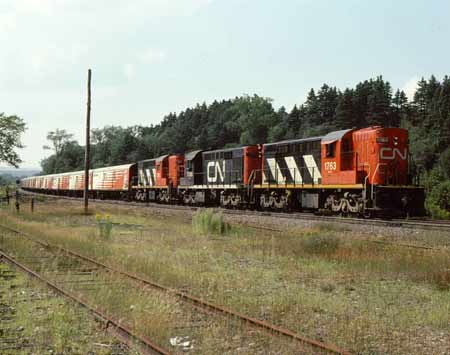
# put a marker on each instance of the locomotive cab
(193, 168)
(162, 169)
(176, 170)
(339, 159)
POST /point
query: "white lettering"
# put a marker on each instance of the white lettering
(391, 153)
(216, 170)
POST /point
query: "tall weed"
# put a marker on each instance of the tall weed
(104, 225)
(208, 222)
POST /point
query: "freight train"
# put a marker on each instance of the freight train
(364, 172)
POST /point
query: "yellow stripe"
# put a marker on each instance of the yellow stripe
(308, 186)
(400, 187)
(273, 186)
(150, 187)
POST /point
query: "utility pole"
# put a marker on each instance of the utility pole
(88, 146)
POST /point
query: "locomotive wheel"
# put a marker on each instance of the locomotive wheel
(367, 214)
(264, 202)
(280, 203)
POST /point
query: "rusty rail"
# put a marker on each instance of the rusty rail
(122, 332)
(331, 348)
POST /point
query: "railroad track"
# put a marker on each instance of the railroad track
(421, 224)
(45, 301)
(85, 274)
(114, 326)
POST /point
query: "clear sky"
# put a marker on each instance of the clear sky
(151, 57)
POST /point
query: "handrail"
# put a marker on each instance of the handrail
(373, 176)
(366, 178)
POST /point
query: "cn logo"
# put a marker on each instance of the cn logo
(391, 153)
(215, 171)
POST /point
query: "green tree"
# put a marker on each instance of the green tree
(345, 116)
(327, 101)
(70, 158)
(59, 140)
(11, 129)
(444, 163)
(255, 116)
(438, 200)
(400, 108)
(379, 103)
(280, 131)
(430, 121)
(311, 107)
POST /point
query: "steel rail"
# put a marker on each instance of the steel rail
(383, 242)
(121, 331)
(332, 348)
(437, 225)
(426, 225)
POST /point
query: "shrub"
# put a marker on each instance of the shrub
(432, 178)
(207, 222)
(320, 244)
(438, 201)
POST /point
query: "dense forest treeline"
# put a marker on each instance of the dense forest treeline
(253, 119)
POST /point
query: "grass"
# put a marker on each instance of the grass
(321, 244)
(324, 281)
(152, 313)
(207, 222)
(441, 278)
(104, 225)
(40, 322)
(3, 189)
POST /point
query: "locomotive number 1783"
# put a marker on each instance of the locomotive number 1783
(330, 165)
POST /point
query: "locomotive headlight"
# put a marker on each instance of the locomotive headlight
(395, 140)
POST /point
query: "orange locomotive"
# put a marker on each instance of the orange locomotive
(377, 159)
(354, 171)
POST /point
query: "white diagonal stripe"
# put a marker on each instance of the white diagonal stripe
(293, 169)
(312, 167)
(275, 170)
